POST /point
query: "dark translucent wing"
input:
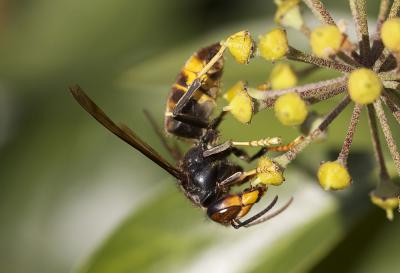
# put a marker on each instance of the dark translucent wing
(173, 149)
(123, 132)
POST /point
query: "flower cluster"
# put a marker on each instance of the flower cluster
(369, 82)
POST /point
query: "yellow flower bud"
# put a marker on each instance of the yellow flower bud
(388, 204)
(241, 46)
(364, 86)
(234, 90)
(288, 14)
(390, 34)
(326, 40)
(282, 76)
(240, 103)
(333, 176)
(271, 173)
(273, 45)
(290, 109)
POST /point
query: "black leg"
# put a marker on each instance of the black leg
(228, 182)
(191, 120)
(196, 84)
(243, 155)
(240, 153)
(221, 148)
(217, 121)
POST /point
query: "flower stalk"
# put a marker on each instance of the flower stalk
(370, 78)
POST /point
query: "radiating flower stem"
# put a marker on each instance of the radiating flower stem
(383, 173)
(347, 59)
(266, 99)
(355, 117)
(319, 10)
(358, 10)
(383, 10)
(297, 55)
(394, 10)
(391, 84)
(388, 134)
(327, 95)
(392, 107)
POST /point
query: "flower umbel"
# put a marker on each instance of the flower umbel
(369, 65)
(370, 81)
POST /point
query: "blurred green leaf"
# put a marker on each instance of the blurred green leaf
(169, 235)
(66, 182)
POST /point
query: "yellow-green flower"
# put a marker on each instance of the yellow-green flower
(271, 173)
(388, 204)
(241, 46)
(333, 176)
(240, 103)
(288, 14)
(290, 109)
(273, 45)
(364, 86)
(282, 76)
(390, 34)
(326, 40)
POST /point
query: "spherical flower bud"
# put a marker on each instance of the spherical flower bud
(364, 86)
(290, 109)
(270, 173)
(333, 176)
(326, 40)
(282, 76)
(240, 103)
(390, 34)
(388, 204)
(241, 46)
(273, 45)
(288, 14)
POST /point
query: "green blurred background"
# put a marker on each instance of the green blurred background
(74, 198)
